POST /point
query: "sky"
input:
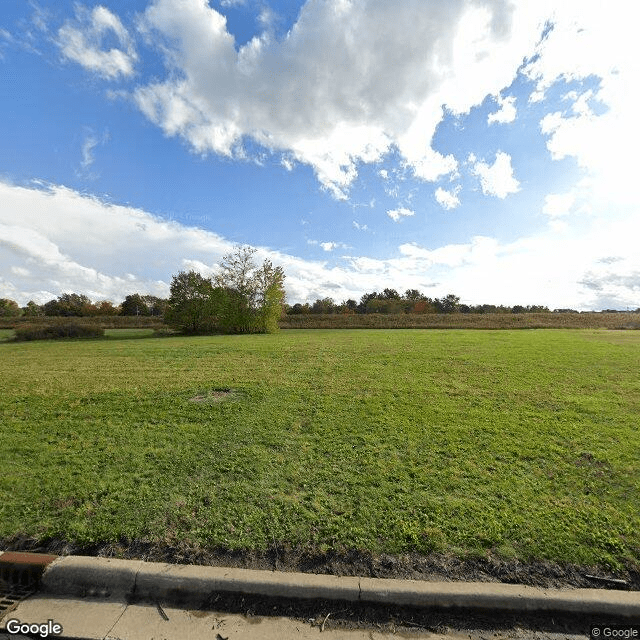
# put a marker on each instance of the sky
(485, 148)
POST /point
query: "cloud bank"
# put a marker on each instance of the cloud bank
(348, 83)
(53, 240)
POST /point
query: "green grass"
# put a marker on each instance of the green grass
(524, 443)
(119, 334)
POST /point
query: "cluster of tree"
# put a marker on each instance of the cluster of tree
(78, 305)
(413, 301)
(243, 298)
(240, 298)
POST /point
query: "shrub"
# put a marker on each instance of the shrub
(55, 331)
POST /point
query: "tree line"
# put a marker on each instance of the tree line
(75, 305)
(389, 301)
(244, 298)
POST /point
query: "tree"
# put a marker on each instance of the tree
(448, 304)
(9, 308)
(324, 305)
(69, 304)
(298, 309)
(191, 303)
(157, 306)
(134, 305)
(32, 309)
(271, 299)
(413, 295)
(385, 305)
(106, 308)
(237, 272)
(240, 298)
(364, 301)
(255, 294)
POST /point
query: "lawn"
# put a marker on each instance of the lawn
(522, 443)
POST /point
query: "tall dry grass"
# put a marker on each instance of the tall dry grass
(106, 322)
(465, 321)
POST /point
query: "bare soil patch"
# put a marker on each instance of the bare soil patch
(215, 395)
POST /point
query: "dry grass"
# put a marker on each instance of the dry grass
(106, 322)
(588, 320)
(465, 321)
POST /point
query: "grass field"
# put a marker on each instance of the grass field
(522, 443)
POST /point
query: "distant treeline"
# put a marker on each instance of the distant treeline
(388, 302)
(80, 306)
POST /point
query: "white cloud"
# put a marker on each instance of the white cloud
(507, 112)
(65, 241)
(558, 204)
(328, 246)
(81, 41)
(448, 199)
(359, 227)
(349, 82)
(400, 212)
(587, 42)
(90, 142)
(497, 179)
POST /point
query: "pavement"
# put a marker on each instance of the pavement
(109, 599)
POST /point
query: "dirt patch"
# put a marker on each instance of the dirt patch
(215, 395)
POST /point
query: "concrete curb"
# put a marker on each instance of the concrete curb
(181, 584)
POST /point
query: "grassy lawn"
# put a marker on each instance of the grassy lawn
(524, 443)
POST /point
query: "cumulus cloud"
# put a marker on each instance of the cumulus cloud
(507, 112)
(448, 199)
(81, 41)
(53, 239)
(497, 179)
(587, 44)
(400, 212)
(67, 241)
(348, 83)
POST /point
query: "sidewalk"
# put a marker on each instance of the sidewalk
(110, 598)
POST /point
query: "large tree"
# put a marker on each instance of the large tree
(190, 303)
(134, 305)
(9, 308)
(69, 304)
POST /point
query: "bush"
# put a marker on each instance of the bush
(53, 332)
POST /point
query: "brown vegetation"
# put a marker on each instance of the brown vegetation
(106, 322)
(464, 321)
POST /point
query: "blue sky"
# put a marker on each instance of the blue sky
(483, 148)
